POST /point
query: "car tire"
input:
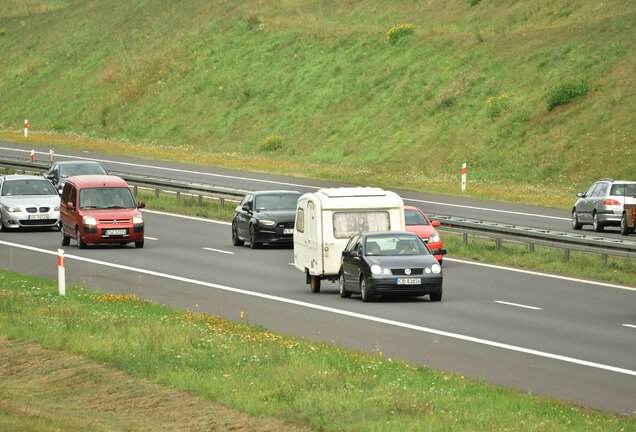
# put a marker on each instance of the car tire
(80, 240)
(235, 238)
(341, 285)
(66, 240)
(625, 229)
(435, 297)
(314, 284)
(575, 221)
(597, 226)
(139, 245)
(2, 228)
(253, 243)
(365, 294)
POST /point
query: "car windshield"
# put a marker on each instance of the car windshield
(276, 201)
(106, 198)
(28, 187)
(414, 217)
(81, 169)
(620, 189)
(392, 245)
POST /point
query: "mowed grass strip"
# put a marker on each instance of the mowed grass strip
(245, 367)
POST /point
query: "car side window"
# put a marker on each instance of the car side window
(603, 189)
(351, 242)
(593, 191)
(65, 193)
(73, 197)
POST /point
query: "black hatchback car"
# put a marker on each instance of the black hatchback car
(265, 217)
(390, 264)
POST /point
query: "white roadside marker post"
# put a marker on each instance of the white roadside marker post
(50, 155)
(61, 274)
(26, 128)
(32, 156)
(463, 177)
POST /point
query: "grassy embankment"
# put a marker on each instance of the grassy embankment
(177, 360)
(537, 97)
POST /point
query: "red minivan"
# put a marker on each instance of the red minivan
(100, 209)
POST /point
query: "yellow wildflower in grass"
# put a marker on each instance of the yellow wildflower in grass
(397, 32)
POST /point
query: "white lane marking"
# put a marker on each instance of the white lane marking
(534, 273)
(219, 251)
(629, 325)
(487, 209)
(165, 168)
(341, 312)
(279, 183)
(518, 305)
(187, 217)
(150, 238)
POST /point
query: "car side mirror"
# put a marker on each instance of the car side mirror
(435, 223)
(580, 194)
(438, 252)
(246, 208)
(70, 205)
(141, 204)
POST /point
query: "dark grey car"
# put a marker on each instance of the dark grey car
(60, 171)
(602, 204)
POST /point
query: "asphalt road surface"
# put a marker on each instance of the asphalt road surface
(570, 339)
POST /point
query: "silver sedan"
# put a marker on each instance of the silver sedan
(28, 201)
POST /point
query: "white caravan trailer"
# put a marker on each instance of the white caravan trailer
(326, 219)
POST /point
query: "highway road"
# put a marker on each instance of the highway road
(570, 339)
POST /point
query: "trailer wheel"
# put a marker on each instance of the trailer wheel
(314, 283)
(625, 228)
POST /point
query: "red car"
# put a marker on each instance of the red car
(100, 209)
(418, 222)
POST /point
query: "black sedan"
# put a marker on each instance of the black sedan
(265, 217)
(60, 171)
(390, 264)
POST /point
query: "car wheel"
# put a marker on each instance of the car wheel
(596, 224)
(80, 240)
(66, 240)
(253, 243)
(436, 296)
(2, 228)
(139, 245)
(575, 221)
(625, 229)
(365, 293)
(343, 291)
(235, 238)
(314, 284)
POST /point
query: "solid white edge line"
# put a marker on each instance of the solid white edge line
(629, 325)
(518, 305)
(218, 250)
(151, 238)
(341, 312)
(534, 273)
(279, 182)
(186, 217)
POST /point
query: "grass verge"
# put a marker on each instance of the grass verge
(254, 370)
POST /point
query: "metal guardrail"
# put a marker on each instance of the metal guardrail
(532, 236)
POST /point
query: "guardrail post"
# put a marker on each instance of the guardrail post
(605, 259)
(178, 196)
(531, 247)
(157, 193)
(200, 200)
(135, 189)
(465, 238)
(567, 254)
(497, 244)
(222, 202)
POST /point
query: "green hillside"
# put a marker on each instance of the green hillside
(538, 97)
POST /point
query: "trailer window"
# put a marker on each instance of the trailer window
(300, 220)
(345, 224)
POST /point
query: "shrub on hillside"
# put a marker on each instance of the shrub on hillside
(271, 143)
(397, 32)
(2, 31)
(473, 2)
(567, 92)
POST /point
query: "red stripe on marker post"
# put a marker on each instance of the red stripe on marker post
(26, 128)
(32, 156)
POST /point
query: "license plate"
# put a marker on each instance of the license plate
(38, 216)
(409, 281)
(114, 232)
(288, 231)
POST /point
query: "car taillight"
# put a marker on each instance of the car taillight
(611, 202)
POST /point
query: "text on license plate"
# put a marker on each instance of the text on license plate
(409, 281)
(288, 231)
(38, 216)
(111, 232)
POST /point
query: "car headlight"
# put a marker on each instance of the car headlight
(12, 209)
(267, 222)
(138, 219)
(376, 269)
(57, 208)
(89, 220)
(434, 238)
(436, 268)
